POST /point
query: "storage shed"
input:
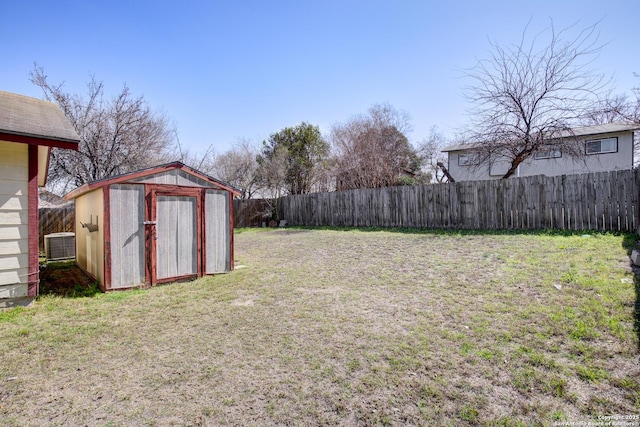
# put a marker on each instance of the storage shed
(156, 225)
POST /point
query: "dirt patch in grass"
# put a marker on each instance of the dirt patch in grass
(328, 327)
(66, 279)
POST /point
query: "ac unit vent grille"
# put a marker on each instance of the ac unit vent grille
(60, 246)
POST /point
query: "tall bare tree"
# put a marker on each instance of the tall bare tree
(238, 167)
(621, 107)
(629, 105)
(430, 152)
(201, 161)
(632, 112)
(372, 150)
(527, 97)
(116, 135)
(271, 176)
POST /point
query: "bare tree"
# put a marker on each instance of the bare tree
(611, 109)
(271, 175)
(628, 107)
(116, 136)
(238, 167)
(527, 98)
(623, 107)
(632, 112)
(430, 153)
(201, 161)
(372, 150)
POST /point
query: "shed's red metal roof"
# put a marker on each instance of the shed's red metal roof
(146, 172)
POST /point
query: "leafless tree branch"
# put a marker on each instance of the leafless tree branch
(525, 96)
(116, 136)
(372, 150)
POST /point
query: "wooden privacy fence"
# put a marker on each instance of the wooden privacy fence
(594, 201)
(252, 212)
(55, 220)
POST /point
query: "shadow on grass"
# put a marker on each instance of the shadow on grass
(65, 279)
(629, 243)
(463, 232)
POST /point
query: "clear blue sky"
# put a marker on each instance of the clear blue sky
(245, 69)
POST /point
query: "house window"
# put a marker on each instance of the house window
(547, 154)
(601, 146)
(468, 159)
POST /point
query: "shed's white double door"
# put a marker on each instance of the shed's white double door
(176, 236)
(159, 235)
(191, 235)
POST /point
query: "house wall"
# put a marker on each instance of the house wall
(622, 159)
(90, 245)
(14, 241)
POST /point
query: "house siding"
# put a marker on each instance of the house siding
(14, 215)
(620, 160)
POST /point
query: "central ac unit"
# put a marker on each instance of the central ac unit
(60, 246)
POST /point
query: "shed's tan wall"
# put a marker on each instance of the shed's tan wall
(43, 164)
(90, 246)
(14, 228)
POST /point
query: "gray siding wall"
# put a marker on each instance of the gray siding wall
(218, 236)
(622, 159)
(127, 235)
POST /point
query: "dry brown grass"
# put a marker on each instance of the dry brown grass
(326, 327)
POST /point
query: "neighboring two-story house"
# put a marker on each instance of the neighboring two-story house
(606, 147)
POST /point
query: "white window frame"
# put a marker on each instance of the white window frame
(547, 154)
(468, 159)
(612, 142)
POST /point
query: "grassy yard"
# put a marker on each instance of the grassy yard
(343, 327)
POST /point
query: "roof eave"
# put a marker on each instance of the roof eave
(577, 133)
(603, 129)
(457, 148)
(39, 140)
